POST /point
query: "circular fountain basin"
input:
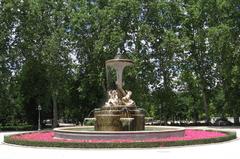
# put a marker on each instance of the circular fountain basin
(88, 133)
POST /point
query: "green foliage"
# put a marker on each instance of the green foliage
(89, 121)
(186, 54)
(18, 127)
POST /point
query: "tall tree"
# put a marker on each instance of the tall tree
(224, 46)
(162, 21)
(198, 57)
(9, 63)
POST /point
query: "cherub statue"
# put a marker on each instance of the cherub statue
(126, 100)
(119, 97)
(113, 98)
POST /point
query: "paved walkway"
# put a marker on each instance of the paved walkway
(229, 149)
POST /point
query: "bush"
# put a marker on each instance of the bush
(222, 122)
(89, 121)
(16, 128)
(149, 120)
(229, 136)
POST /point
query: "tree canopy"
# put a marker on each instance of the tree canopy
(186, 55)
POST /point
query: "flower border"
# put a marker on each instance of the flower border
(227, 137)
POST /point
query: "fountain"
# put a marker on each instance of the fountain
(119, 117)
(118, 124)
(120, 109)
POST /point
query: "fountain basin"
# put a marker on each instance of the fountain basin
(88, 133)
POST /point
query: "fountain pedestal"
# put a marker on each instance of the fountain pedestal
(127, 124)
(115, 118)
(119, 113)
(108, 122)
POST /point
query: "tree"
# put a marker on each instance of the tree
(53, 53)
(161, 21)
(224, 46)
(34, 89)
(198, 59)
(10, 101)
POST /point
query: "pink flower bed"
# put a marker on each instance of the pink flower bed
(48, 136)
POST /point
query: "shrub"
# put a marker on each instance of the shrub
(89, 121)
(149, 120)
(16, 127)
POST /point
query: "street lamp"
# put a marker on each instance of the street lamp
(39, 108)
(160, 113)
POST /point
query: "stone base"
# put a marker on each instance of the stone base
(108, 122)
(109, 119)
(81, 133)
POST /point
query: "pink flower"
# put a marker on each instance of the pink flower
(48, 136)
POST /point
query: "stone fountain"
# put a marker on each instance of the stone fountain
(120, 112)
(119, 117)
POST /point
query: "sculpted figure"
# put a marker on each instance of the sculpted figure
(126, 100)
(113, 98)
(119, 97)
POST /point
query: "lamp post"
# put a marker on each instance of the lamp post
(160, 113)
(39, 108)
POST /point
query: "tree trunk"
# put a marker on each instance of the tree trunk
(236, 120)
(195, 114)
(206, 107)
(55, 110)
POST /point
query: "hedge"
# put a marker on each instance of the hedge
(89, 121)
(16, 128)
(228, 136)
